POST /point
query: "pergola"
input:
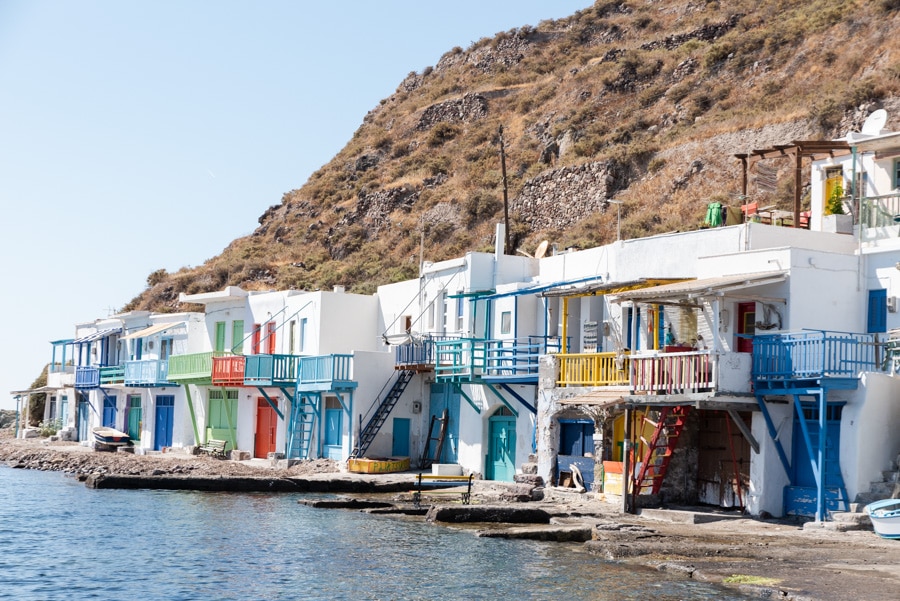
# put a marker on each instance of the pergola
(798, 150)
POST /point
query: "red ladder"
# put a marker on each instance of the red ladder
(660, 448)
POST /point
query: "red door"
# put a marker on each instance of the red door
(266, 422)
(746, 326)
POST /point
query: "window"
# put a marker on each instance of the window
(257, 334)
(506, 322)
(896, 177)
(237, 336)
(270, 337)
(303, 328)
(460, 304)
(292, 334)
(165, 348)
(219, 346)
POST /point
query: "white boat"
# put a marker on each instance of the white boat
(885, 516)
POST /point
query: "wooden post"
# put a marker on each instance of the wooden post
(627, 506)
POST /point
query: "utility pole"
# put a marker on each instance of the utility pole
(507, 246)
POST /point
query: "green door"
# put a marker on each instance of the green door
(222, 417)
(134, 417)
(501, 460)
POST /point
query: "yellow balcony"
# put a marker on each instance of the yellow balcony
(593, 369)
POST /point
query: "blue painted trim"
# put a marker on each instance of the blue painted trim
(773, 434)
(459, 389)
(503, 400)
(519, 398)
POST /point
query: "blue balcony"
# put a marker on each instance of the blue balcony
(87, 377)
(271, 370)
(325, 372)
(811, 355)
(147, 372)
(478, 360)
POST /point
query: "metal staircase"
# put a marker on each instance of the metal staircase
(303, 423)
(383, 410)
(659, 449)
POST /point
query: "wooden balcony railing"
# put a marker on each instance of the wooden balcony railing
(514, 358)
(876, 220)
(228, 370)
(192, 366)
(594, 369)
(813, 354)
(271, 370)
(325, 370)
(673, 373)
(146, 372)
(87, 377)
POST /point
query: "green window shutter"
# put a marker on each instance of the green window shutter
(220, 337)
(237, 337)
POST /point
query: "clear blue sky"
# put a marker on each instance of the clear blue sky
(143, 135)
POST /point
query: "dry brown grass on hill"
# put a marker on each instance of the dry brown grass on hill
(653, 87)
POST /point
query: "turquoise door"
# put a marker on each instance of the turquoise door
(83, 418)
(333, 433)
(64, 411)
(109, 412)
(501, 460)
(400, 447)
(134, 417)
(445, 396)
(165, 417)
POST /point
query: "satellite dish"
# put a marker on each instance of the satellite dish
(541, 250)
(875, 123)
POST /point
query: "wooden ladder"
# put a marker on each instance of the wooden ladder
(660, 448)
(439, 439)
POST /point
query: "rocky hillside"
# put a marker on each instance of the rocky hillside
(641, 101)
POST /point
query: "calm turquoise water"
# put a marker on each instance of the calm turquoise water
(61, 540)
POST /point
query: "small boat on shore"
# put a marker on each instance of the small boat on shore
(885, 516)
(106, 437)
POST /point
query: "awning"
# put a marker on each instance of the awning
(539, 288)
(34, 390)
(601, 288)
(97, 335)
(705, 287)
(597, 398)
(154, 329)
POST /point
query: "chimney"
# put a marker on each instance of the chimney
(500, 242)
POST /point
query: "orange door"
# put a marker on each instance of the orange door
(266, 422)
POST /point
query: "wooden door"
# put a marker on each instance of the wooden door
(400, 446)
(502, 450)
(109, 412)
(266, 423)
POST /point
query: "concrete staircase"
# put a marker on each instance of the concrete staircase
(856, 519)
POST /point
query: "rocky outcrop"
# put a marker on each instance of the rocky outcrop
(470, 107)
(559, 198)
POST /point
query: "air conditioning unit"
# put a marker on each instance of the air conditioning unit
(892, 304)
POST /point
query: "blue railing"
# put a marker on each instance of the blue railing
(324, 369)
(812, 354)
(507, 358)
(271, 369)
(87, 377)
(146, 372)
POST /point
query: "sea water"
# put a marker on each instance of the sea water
(62, 540)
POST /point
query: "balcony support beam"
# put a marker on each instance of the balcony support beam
(519, 398)
(502, 399)
(773, 434)
(190, 404)
(271, 403)
(754, 444)
(459, 389)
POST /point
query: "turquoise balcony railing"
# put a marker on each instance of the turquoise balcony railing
(271, 370)
(502, 360)
(325, 372)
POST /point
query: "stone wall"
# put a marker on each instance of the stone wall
(559, 198)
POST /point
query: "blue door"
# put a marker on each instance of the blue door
(165, 419)
(501, 460)
(109, 412)
(83, 418)
(800, 496)
(400, 447)
(333, 433)
(445, 396)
